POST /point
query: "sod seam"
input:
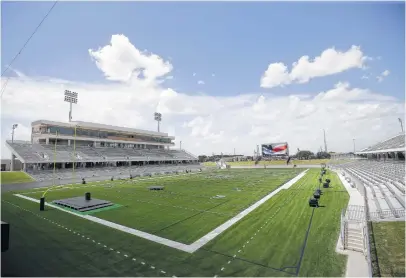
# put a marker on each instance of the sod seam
(189, 217)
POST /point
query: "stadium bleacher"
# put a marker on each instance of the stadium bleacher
(384, 186)
(116, 172)
(36, 153)
(396, 142)
(378, 172)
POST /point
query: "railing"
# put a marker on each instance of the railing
(388, 213)
(343, 229)
(366, 233)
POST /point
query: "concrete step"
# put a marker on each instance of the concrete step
(354, 228)
(354, 235)
(355, 242)
(355, 245)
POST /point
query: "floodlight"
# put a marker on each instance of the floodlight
(158, 118)
(71, 97)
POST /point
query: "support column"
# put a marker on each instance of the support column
(24, 167)
(47, 141)
(12, 162)
(68, 142)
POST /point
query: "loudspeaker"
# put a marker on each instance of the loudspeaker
(42, 204)
(87, 196)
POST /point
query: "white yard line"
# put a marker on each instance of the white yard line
(174, 244)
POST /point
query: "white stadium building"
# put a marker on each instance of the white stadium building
(92, 149)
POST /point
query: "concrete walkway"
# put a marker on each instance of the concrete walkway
(357, 264)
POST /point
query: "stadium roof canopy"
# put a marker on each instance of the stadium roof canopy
(102, 127)
(393, 144)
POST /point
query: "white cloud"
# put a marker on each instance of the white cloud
(200, 82)
(213, 75)
(215, 124)
(365, 77)
(194, 74)
(382, 76)
(385, 73)
(122, 61)
(331, 61)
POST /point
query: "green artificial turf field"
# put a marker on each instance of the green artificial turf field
(283, 237)
(14, 177)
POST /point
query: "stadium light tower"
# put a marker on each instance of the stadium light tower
(71, 97)
(401, 124)
(158, 118)
(12, 132)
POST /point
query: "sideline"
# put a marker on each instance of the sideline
(174, 244)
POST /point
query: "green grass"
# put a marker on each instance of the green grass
(15, 177)
(187, 201)
(274, 162)
(49, 250)
(390, 248)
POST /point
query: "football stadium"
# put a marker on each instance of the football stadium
(112, 201)
(257, 190)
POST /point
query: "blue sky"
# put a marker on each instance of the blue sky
(241, 43)
(235, 41)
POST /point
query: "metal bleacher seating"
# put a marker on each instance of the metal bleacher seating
(36, 153)
(392, 143)
(45, 155)
(384, 184)
(117, 172)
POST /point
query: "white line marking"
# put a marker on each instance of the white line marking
(142, 263)
(228, 262)
(222, 269)
(125, 255)
(153, 267)
(174, 244)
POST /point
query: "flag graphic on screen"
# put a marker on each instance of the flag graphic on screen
(275, 149)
